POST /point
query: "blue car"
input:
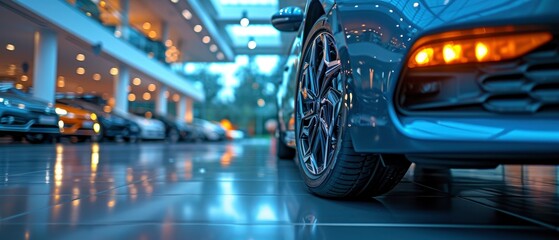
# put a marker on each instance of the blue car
(371, 86)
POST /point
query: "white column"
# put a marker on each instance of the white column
(121, 82)
(161, 101)
(181, 108)
(124, 20)
(44, 69)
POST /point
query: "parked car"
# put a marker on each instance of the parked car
(174, 130)
(150, 129)
(78, 123)
(22, 116)
(210, 131)
(371, 86)
(113, 125)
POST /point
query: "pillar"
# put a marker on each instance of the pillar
(121, 83)
(189, 114)
(124, 19)
(44, 67)
(161, 101)
(181, 108)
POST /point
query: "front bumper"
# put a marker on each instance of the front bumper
(23, 121)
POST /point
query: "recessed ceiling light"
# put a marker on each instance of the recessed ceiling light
(96, 76)
(146, 96)
(152, 34)
(80, 57)
(176, 97)
(10, 47)
(137, 81)
(114, 71)
(251, 44)
(220, 56)
(146, 25)
(206, 39)
(79, 90)
(187, 14)
(213, 48)
(152, 87)
(198, 28)
(174, 1)
(80, 71)
(131, 97)
(24, 78)
(19, 86)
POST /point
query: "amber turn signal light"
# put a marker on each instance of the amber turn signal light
(477, 49)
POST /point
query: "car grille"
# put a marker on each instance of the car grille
(528, 86)
(13, 120)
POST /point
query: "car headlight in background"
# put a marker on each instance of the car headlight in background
(478, 45)
(93, 117)
(5, 101)
(61, 112)
(61, 125)
(96, 127)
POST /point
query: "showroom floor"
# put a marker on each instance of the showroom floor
(240, 191)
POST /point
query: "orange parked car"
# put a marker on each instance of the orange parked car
(78, 123)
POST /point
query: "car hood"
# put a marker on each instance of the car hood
(27, 102)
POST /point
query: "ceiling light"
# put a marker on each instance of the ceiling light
(137, 81)
(244, 19)
(198, 28)
(131, 97)
(187, 14)
(24, 78)
(80, 57)
(174, 1)
(220, 56)
(152, 34)
(146, 96)
(167, 94)
(80, 71)
(60, 83)
(206, 39)
(251, 43)
(176, 97)
(152, 87)
(19, 86)
(213, 48)
(97, 77)
(146, 25)
(10, 47)
(168, 43)
(79, 90)
(114, 71)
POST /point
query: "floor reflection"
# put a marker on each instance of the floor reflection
(239, 190)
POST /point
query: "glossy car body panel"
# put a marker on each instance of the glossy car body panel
(374, 39)
(112, 124)
(77, 122)
(20, 113)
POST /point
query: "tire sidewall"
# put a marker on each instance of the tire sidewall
(314, 181)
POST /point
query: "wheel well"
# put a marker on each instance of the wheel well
(314, 12)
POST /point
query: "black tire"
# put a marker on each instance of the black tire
(282, 150)
(325, 153)
(173, 136)
(37, 138)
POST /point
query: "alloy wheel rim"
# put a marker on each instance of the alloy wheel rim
(319, 103)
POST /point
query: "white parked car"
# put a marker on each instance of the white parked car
(151, 129)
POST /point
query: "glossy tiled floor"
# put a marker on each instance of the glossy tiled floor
(240, 191)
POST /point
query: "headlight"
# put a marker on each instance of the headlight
(93, 117)
(4, 101)
(96, 127)
(61, 124)
(61, 112)
(474, 46)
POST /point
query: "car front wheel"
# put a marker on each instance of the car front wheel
(325, 153)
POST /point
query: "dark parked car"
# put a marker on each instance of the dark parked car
(22, 116)
(174, 130)
(371, 86)
(113, 125)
